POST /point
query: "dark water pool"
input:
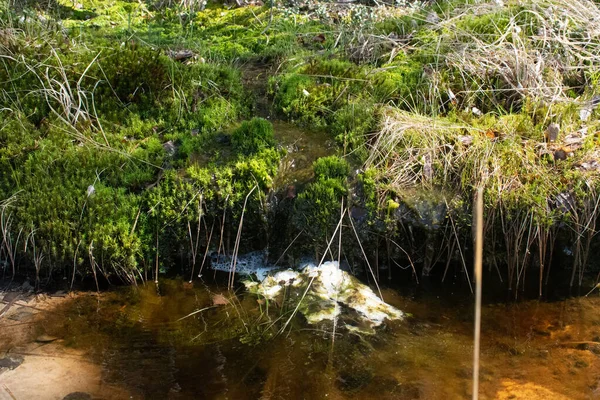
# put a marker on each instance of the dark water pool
(230, 350)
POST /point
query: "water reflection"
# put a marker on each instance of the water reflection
(530, 350)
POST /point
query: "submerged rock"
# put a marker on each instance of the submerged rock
(46, 339)
(325, 292)
(10, 362)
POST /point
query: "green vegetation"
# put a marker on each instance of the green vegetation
(253, 136)
(129, 144)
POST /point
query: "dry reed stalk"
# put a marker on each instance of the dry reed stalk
(584, 223)
(194, 246)
(38, 256)
(93, 264)
(238, 238)
(156, 261)
(478, 288)
(7, 245)
(566, 42)
(287, 322)
(335, 318)
(365, 256)
(207, 248)
(288, 247)
(222, 228)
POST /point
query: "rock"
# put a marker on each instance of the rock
(170, 148)
(180, 55)
(21, 315)
(552, 132)
(78, 396)
(465, 140)
(223, 139)
(560, 154)
(10, 296)
(565, 201)
(359, 213)
(432, 18)
(219, 300)
(590, 165)
(584, 114)
(46, 339)
(10, 362)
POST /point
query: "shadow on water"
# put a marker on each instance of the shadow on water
(530, 350)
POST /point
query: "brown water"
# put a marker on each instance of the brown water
(303, 147)
(530, 350)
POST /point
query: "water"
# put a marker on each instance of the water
(303, 148)
(530, 350)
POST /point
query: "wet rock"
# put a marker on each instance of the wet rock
(565, 202)
(46, 339)
(170, 148)
(358, 213)
(10, 362)
(21, 315)
(10, 296)
(78, 396)
(223, 139)
(542, 332)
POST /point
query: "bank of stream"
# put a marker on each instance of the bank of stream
(136, 342)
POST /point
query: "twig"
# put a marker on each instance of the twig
(196, 312)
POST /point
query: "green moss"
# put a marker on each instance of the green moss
(331, 167)
(253, 136)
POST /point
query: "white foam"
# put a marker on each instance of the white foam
(330, 287)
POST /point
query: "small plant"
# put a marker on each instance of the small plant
(253, 136)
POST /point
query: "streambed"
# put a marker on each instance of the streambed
(135, 344)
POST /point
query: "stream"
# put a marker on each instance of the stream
(144, 344)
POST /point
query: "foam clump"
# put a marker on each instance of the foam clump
(325, 292)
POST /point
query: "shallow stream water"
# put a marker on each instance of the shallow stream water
(145, 344)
